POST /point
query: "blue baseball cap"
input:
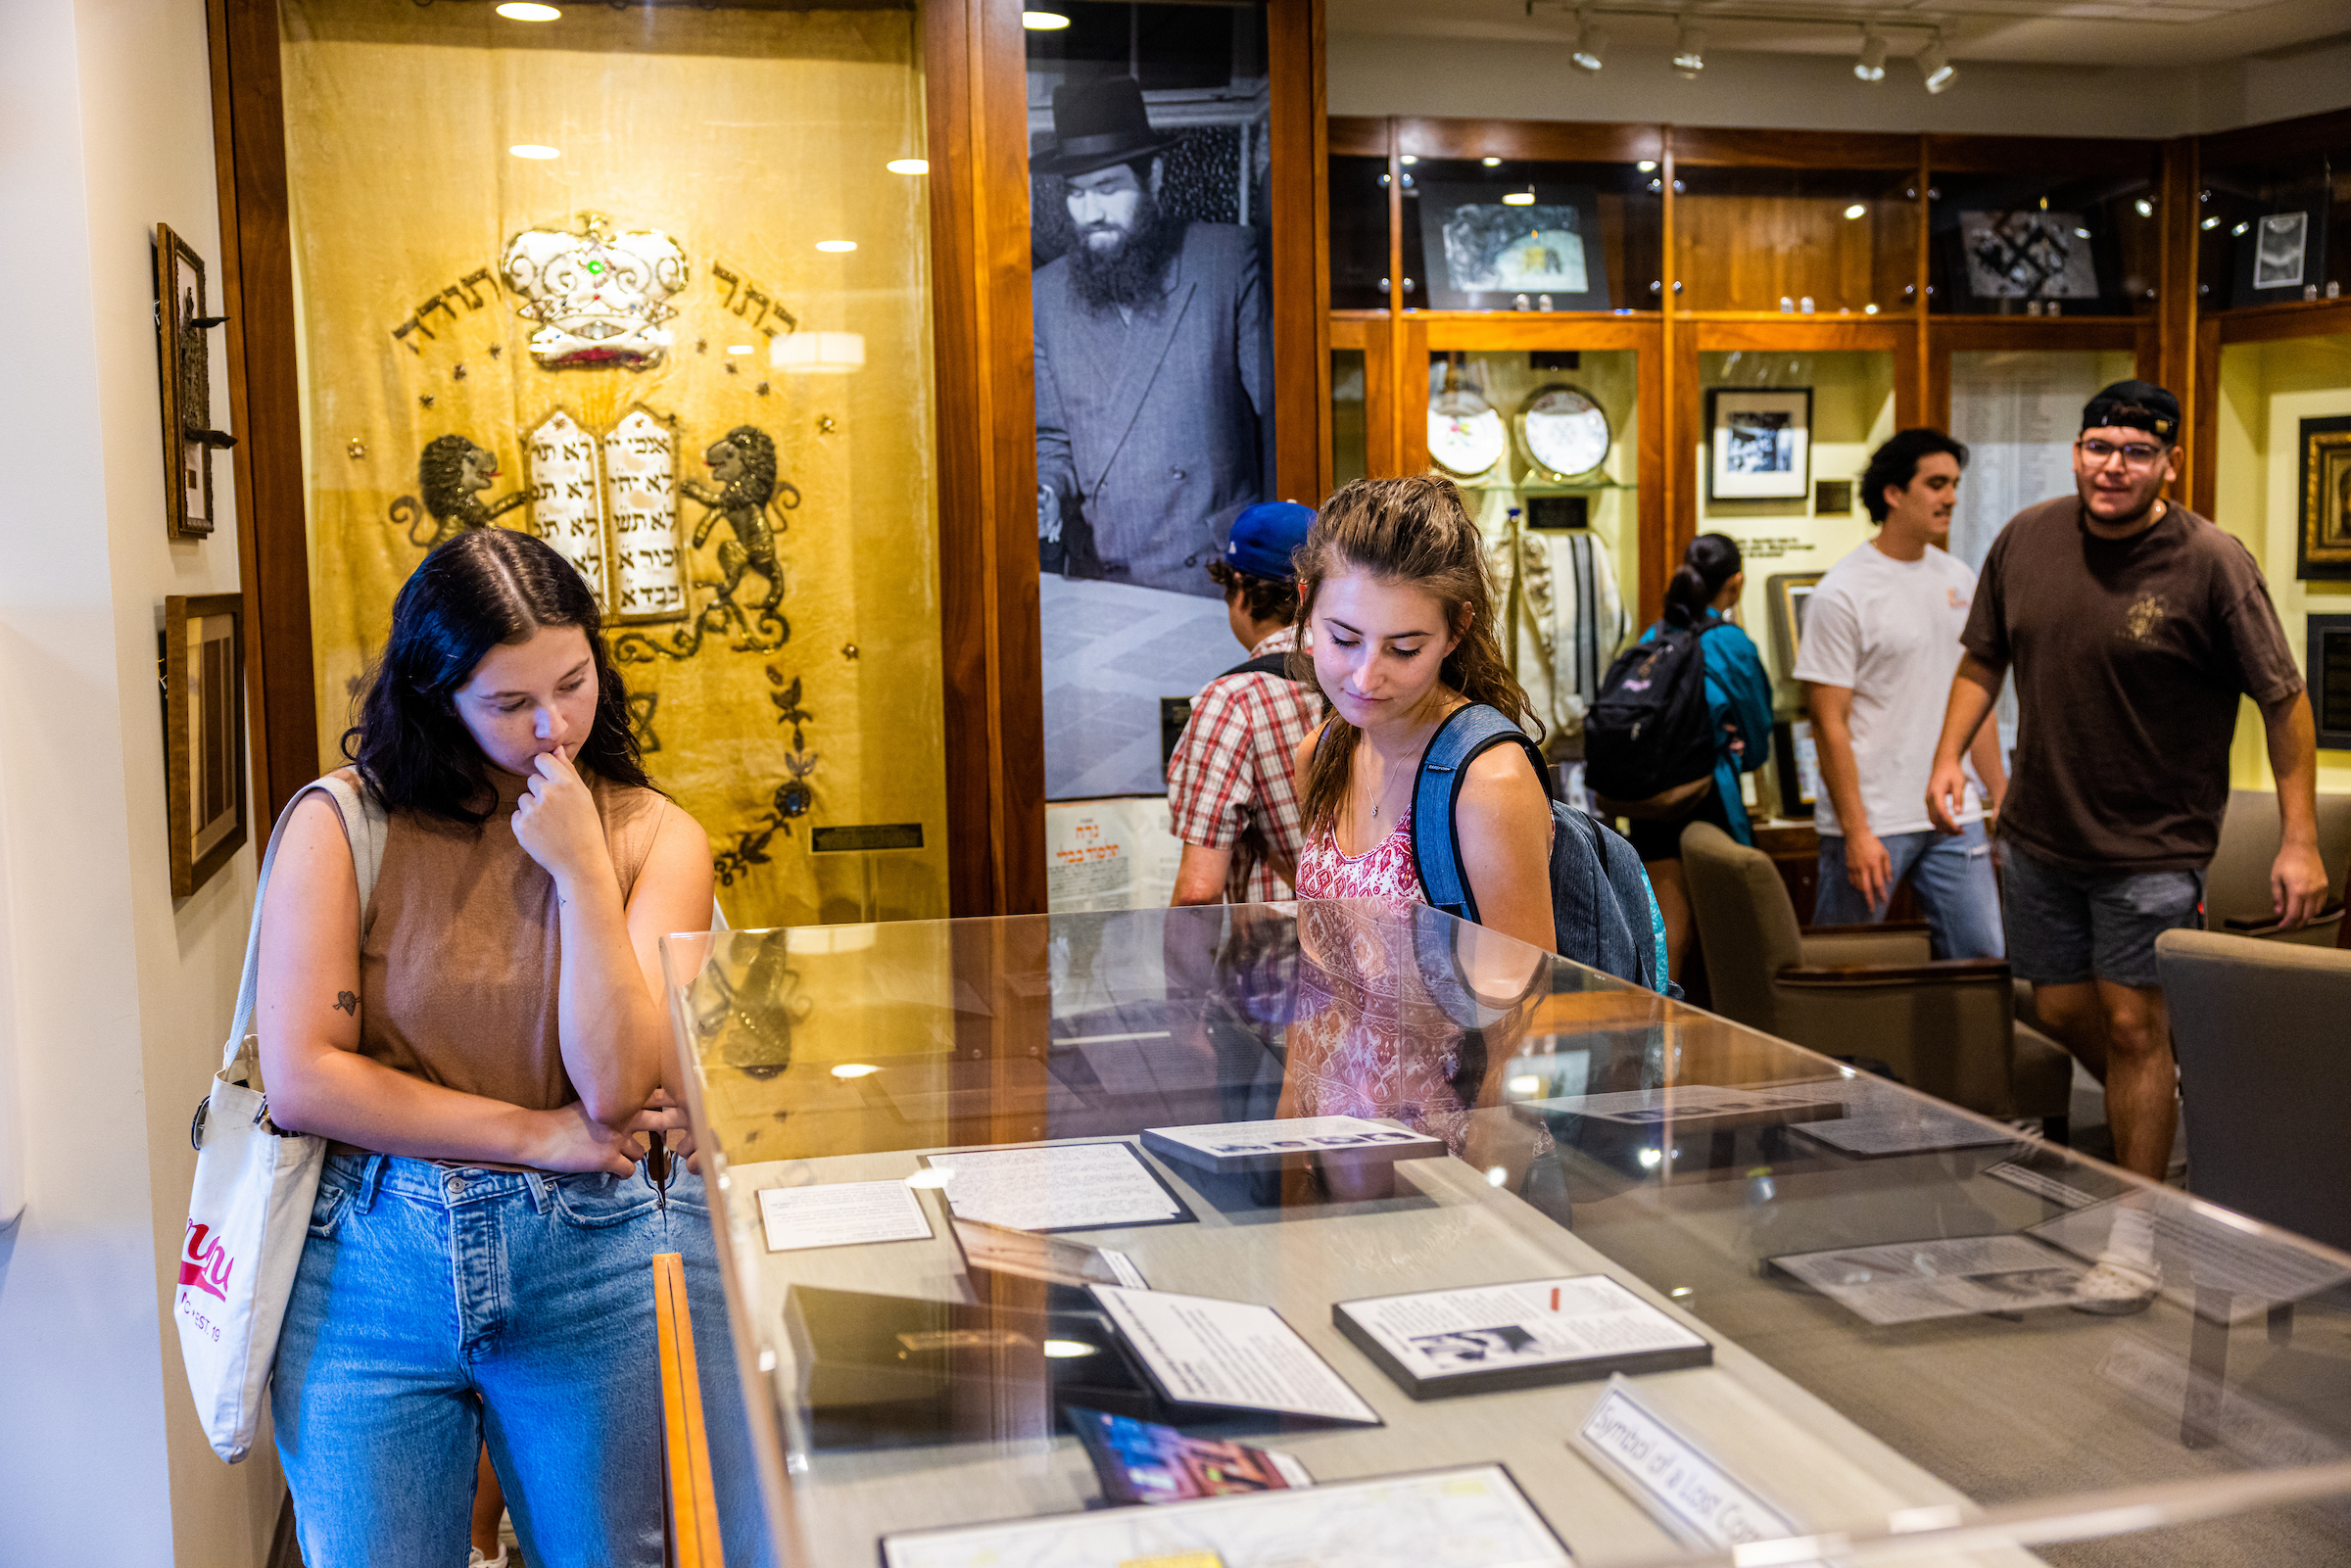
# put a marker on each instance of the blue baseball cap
(1266, 536)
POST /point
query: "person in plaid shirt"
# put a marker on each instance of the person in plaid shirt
(1229, 790)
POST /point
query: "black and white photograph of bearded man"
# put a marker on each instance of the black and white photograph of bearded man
(1151, 373)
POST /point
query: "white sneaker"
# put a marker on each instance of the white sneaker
(476, 1559)
(2118, 1287)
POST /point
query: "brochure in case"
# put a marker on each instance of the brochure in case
(1200, 1350)
(1000, 1249)
(1143, 1461)
(1234, 1147)
(1470, 1517)
(1057, 1186)
(1493, 1337)
(1917, 1126)
(1949, 1276)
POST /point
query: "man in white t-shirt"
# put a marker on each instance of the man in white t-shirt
(1880, 645)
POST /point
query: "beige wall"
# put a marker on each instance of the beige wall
(2267, 390)
(1386, 73)
(118, 994)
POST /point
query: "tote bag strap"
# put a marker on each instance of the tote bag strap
(363, 824)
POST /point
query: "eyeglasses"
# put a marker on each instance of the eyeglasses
(2136, 455)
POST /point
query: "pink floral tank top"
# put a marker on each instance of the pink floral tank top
(1383, 874)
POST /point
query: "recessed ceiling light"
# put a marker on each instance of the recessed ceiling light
(1408, 159)
(1858, 210)
(1869, 309)
(533, 150)
(2146, 208)
(2082, 233)
(836, 245)
(908, 166)
(838, 1072)
(1043, 21)
(2237, 232)
(524, 11)
(847, 1069)
(1491, 163)
(1066, 1349)
(1646, 166)
(2211, 222)
(1518, 199)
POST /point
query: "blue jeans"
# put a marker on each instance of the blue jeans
(1952, 875)
(439, 1307)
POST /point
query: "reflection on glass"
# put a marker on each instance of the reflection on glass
(2272, 225)
(1350, 432)
(1359, 233)
(1877, 1322)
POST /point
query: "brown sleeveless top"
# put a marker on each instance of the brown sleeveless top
(460, 952)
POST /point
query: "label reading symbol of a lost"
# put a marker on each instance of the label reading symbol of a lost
(648, 575)
(565, 508)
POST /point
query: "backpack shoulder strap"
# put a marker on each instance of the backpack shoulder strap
(364, 824)
(1467, 733)
(1263, 664)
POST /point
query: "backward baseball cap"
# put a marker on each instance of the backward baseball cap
(2134, 406)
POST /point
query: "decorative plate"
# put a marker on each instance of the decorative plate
(1465, 436)
(1565, 432)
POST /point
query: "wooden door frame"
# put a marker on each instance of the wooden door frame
(975, 70)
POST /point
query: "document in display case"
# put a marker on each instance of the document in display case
(1068, 1186)
(1471, 1517)
(1240, 1148)
(1200, 1350)
(1488, 1338)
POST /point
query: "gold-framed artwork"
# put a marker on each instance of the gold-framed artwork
(2323, 544)
(1787, 594)
(203, 666)
(183, 363)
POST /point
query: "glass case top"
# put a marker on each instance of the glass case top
(2033, 241)
(2274, 226)
(1026, 1218)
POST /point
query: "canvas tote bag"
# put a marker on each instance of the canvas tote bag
(250, 1209)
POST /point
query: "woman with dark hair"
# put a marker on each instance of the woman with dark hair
(484, 1046)
(1392, 583)
(1705, 589)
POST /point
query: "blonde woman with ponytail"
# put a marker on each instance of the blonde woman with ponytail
(1392, 583)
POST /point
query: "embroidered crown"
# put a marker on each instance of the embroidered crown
(598, 296)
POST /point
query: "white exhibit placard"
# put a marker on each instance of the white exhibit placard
(840, 1214)
(1062, 1186)
(1202, 1350)
(1673, 1474)
(1517, 1335)
(1472, 1517)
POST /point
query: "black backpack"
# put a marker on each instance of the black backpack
(1647, 734)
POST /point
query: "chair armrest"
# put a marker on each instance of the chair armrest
(2269, 926)
(1829, 945)
(1935, 971)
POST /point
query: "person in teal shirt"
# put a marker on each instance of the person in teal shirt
(1704, 586)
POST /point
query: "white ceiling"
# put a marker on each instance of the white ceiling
(2084, 32)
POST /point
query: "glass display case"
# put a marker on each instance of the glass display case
(2274, 216)
(1022, 1220)
(2023, 239)
(651, 285)
(1359, 233)
(1795, 240)
(1524, 234)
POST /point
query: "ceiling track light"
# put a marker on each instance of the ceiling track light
(1871, 67)
(1590, 43)
(1935, 67)
(1689, 49)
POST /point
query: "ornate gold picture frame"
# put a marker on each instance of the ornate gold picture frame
(2323, 544)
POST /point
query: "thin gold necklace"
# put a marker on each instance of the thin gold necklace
(1388, 786)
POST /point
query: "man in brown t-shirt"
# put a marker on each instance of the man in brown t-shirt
(2132, 626)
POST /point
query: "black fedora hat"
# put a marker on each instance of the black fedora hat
(1095, 124)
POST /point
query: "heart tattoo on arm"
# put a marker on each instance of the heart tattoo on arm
(346, 1003)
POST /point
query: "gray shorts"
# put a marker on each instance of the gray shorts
(2068, 928)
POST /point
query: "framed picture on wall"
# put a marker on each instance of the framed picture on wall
(1759, 443)
(184, 373)
(203, 668)
(2322, 542)
(2329, 666)
(1788, 593)
(1489, 252)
